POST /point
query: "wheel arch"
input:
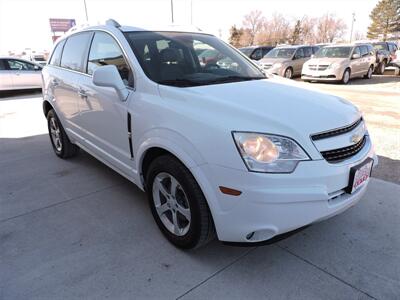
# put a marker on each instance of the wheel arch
(165, 141)
(46, 107)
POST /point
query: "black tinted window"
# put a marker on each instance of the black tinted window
(315, 49)
(307, 51)
(257, 54)
(105, 51)
(364, 50)
(2, 65)
(371, 50)
(357, 51)
(75, 50)
(56, 57)
(299, 53)
(266, 50)
(392, 48)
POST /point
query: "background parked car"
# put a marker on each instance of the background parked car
(17, 74)
(256, 52)
(385, 53)
(287, 61)
(340, 63)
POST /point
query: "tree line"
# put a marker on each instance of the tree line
(259, 30)
(256, 29)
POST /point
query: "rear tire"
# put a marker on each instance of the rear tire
(181, 231)
(62, 146)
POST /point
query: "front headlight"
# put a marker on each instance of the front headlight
(269, 153)
(334, 66)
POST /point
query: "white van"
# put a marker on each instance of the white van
(219, 148)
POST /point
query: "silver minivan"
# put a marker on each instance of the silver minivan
(287, 61)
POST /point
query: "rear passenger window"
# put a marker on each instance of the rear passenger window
(2, 65)
(56, 57)
(75, 49)
(315, 49)
(105, 51)
(364, 51)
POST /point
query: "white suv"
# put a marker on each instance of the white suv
(219, 148)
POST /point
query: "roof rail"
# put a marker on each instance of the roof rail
(112, 22)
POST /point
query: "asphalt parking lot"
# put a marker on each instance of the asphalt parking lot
(76, 229)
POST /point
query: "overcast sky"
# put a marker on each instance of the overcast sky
(25, 23)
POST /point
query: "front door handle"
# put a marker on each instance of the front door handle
(82, 93)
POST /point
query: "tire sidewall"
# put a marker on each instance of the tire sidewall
(291, 73)
(169, 165)
(52, 114)
(344, 73)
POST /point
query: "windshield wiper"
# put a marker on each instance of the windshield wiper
(181, 82)
(234, 78)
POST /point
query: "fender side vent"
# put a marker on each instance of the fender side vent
(129, 121)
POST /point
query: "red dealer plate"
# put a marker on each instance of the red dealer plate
(359, 175)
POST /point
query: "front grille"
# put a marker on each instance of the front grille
(338, 155)
(335, 132)
(318, 67)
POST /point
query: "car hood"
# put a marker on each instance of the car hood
(326, 60)
(273, 60)
(277, 106)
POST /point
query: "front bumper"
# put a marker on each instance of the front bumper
(272, 204)
(326, 75)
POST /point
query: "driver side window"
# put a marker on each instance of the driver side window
(299, 53)
(105, 51)
(18, 65)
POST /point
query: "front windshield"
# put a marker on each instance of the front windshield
(340, 52)
(172, 58)
(379, 46)
(280, 53)
(246, 51)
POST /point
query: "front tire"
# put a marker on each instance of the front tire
(178, 204)
(62, 146)
(288, 73)
(346, 76)
(369, 73)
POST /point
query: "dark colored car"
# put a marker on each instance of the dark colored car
(385, 54)
(256, 52)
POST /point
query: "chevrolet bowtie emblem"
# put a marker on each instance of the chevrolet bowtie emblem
(355, 138)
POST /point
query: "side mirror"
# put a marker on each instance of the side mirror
(108, 76)
(37, 68)
(356, 55)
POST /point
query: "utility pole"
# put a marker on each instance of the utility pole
(353, 19)
(84, 2)
(172, 10)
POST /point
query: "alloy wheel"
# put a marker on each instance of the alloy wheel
(171, 204)
(288, 73)
(346, 76)
(55, 134)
